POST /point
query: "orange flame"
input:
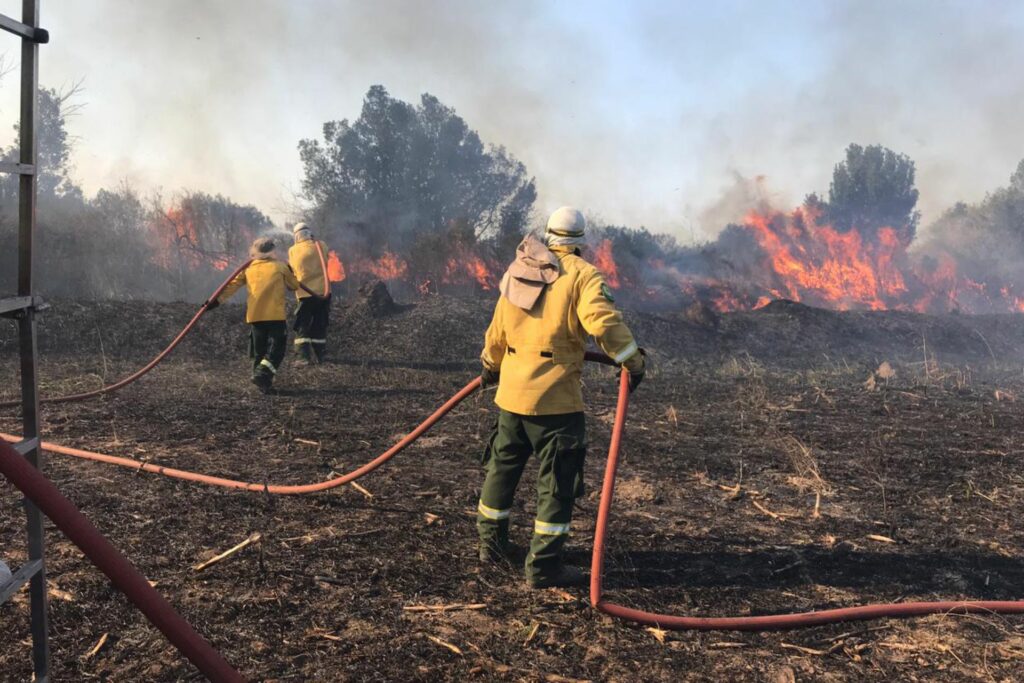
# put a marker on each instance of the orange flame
(389, 267)
(605, 262)
(466, 267)
(817, 263)
(335, 269)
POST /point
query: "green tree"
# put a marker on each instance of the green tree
(873, 187)
(401, 173)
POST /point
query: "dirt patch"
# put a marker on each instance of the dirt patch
(633, 491)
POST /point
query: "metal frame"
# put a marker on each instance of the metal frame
(23, 308)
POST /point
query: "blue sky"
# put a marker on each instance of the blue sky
(644, 113)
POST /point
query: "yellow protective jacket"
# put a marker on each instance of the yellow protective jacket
(266, 280)
(305, 262)
(540, 351)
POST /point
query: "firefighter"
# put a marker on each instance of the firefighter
(265, 279)
(312, 315)
(551, 301)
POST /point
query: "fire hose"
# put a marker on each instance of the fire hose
(756, 623)
(174, 342)
(120, 571)
(666, 621)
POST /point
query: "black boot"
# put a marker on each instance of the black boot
(264, 381)
(564, 577)
(498, 552)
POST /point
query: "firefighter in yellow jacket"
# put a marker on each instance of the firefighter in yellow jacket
(266, 280)
(311, 317)
(551, 301)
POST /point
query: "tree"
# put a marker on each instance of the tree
(401, 173)
(53, 149)
(873, 188)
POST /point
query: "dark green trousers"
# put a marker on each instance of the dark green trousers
(311, 320)
(267, 344)
(559, 441)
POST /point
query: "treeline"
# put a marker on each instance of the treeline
(413, 184)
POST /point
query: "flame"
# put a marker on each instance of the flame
(389, 267)
(605, 262)
(466, 267)
(816, 263)
(800, 257)
(335, 269)
(181, 243)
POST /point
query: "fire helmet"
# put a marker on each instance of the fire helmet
(566, 226)
(301, 232)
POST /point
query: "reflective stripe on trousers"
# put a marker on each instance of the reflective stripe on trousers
(492, 513)
(549, 528)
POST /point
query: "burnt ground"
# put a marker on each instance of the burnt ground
(743, 424)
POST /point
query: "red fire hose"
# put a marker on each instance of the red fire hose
(148, 366)
(120, 571)
(760, 623)
(280, 489)
(286, 489)
(174, 342)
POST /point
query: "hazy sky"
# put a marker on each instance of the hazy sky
(645, 113)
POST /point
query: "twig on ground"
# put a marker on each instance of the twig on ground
(880, 539)
(361, 490)
(97, 647)
(444, 608)
(255, 538)
(773, 515)
(805, 650)
(443, 643)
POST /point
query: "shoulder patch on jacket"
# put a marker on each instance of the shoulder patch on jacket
(606, 292)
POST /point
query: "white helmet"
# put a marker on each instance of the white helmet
(301, 232)
(566, 226)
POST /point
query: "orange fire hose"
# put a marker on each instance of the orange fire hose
(148, 366)
(174, 342)
(759, 623)
(280, 489)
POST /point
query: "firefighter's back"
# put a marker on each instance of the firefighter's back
(544, 357)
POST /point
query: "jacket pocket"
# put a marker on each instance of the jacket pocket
(570, 456)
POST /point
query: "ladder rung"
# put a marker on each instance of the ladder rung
(26, 445)
(36, 35)
(16, 168)
(15, 303)
(20, 578)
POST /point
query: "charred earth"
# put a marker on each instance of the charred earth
(787, 458)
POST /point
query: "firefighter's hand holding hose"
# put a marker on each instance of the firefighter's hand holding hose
(637, 368)
(488, 377)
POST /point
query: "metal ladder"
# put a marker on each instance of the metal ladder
(23, 308)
